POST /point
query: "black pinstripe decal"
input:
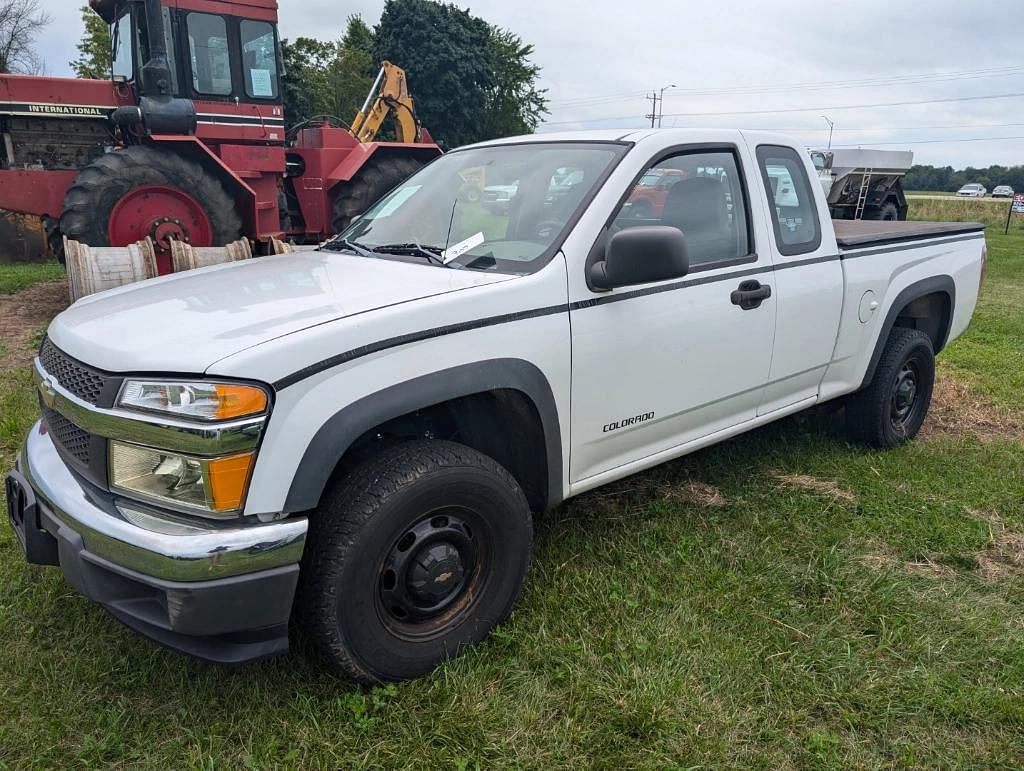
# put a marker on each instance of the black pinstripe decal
(490, 321)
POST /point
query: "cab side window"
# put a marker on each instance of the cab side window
(208, 49)
(259, 59)
(701, 194)
(794, 212)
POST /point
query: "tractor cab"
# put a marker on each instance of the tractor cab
(195, 67)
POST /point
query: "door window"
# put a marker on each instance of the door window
(208, 48)
(259, 59)
(794, 212)
(121, 32)
(701, 194)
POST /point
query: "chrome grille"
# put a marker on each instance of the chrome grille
(84, 383)
(67, 435)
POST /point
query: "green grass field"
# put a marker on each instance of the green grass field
(17, 276)
(782, 600)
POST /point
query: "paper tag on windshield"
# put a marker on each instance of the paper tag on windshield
(462, 247)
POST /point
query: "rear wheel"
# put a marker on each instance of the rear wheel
(377, 177)
(888, 212)
(891, 410)
(138, 192)
(416, 554)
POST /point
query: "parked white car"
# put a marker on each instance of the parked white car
(1002, 191)
(972, 190)
(355, 437)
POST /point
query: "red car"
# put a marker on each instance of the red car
(648, 197)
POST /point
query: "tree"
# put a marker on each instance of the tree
(324, 78)
(515, 104)
(448, 55)
(20, 22)
(94, 49)
(306, 85)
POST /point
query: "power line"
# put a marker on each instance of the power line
(800, 109)
(805, 130)
(887, 80)
(911, 142)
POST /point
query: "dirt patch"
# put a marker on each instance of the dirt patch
(636, 493)
(1000, 558)
(956, 411)
(22, 315)
(823, 487)
(1003, 555)
(925, 566)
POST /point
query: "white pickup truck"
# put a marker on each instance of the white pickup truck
(356, 437)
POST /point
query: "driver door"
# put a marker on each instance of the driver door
(660, 365)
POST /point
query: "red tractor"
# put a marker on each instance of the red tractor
(187, 141)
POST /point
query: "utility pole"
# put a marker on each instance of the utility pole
(653, 96)
(661, 102)
(831, 125)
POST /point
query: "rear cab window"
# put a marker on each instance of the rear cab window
(794, 212)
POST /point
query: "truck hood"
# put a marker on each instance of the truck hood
(186, 322)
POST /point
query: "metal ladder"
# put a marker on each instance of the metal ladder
(862, 197)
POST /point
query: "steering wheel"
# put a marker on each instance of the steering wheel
(545, 229)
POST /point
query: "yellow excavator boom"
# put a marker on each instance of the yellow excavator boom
(388, 95)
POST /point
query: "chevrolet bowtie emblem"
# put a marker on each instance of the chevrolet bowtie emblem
(46, 392)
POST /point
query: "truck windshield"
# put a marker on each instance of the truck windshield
(497, 208)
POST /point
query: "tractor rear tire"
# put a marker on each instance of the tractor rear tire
(91, 201)
(379, 176)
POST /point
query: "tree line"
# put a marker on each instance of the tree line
(470, 79)
(945, 179)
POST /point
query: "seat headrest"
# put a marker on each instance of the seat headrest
(696, 204)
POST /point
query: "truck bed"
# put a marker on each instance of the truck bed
(857, 234)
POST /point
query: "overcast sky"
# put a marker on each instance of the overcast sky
(774, 65)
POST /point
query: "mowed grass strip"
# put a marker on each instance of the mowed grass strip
(782, 600)
(20, 275)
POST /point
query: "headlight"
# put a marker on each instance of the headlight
(195, 400)
(214, 485)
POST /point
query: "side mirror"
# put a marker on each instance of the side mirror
(641, 255)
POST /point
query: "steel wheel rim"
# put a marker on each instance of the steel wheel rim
(162, 213)
(432, 574)
(905, 399)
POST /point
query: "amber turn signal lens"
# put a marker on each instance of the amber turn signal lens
(229, 478)
(237, 401)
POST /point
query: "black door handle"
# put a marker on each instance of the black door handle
(750, 295)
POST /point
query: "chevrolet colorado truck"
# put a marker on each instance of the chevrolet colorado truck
(352, 440)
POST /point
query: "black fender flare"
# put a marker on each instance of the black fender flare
(942, 284)
(338, 433)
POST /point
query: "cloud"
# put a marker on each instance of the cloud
(600, 57)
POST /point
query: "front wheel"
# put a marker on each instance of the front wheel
(416, 554)
(891, 410)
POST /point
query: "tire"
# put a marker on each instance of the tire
(378, 177)
(888, 212)
(364, 578)
(880, 415)
(93, 198)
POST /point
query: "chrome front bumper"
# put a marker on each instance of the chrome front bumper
(219, 591)
(154, 545)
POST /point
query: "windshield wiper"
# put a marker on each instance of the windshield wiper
(414, 247)
(362, 251)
